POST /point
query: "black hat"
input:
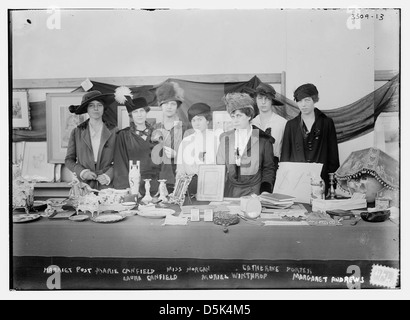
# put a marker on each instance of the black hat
(267, 90)
(304, 91)
(89, 97)
(198, 109)
(137, 103)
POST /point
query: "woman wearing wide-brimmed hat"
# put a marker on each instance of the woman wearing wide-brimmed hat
(90, 151)
(135, 143)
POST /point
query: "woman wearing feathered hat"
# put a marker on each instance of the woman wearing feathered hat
(246, 151)
(267, 119)
(90, 151)
(311, 136)
(199, 147)
(170, 131)
(134, 143)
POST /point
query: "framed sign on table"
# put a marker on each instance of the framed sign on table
(21, 110)
(123, 120)
(60, 122)
(211, 182)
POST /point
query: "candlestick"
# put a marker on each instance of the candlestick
(332, 187)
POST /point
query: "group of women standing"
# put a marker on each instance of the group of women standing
(99, 153)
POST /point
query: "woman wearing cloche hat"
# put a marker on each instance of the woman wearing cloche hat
(199, 147)
(311, 136)
(267, 119)
(135, 143)
(90, 151)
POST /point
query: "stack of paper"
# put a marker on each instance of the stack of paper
(276, 200)
(171, 220)
(345, 204)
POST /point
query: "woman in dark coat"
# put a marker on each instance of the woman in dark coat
(246, 151)
(134, 143)
(90, 151)
(311, 136)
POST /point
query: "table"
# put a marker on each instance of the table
(141, 253)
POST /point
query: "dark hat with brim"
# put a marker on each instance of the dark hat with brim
(88, 97)
(137, 103)
(267, 90)
(305, 91)
(198, 109)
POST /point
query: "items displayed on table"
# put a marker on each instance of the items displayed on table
(55, 209)
(368, 171)
(150, 211)
(163, 191)
(294, 179)
(339, 214)
(375, 216)
(79, 218)
(23, 218)
(211, 182)
(171, 220)
(276, 200)
(225, 219)
(321, 205)
(108, 218)
(208, 215)
(180, 190)
(321, 219)
(317, 188)
(147, 198)
(89, 202)
(55, 205)
(134, 177)
(195, 215)
(296, 212)
(23, 194)
(251, 206)
(128, 205)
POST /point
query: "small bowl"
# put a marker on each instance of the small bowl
(129, 205)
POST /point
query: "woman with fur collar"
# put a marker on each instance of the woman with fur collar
(135, 143)
(246, 151)
(90, 151)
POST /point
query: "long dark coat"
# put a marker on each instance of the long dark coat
(130, 146)
(257, 170)
(320, 145)
(80, 154)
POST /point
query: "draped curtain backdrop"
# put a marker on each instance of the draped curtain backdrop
(351, 121)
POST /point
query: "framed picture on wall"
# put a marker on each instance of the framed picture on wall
(35, 165)
(123, 120)
(60, 122)
(20, 110)
(222, 122)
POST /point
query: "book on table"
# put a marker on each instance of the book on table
(276, 197)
